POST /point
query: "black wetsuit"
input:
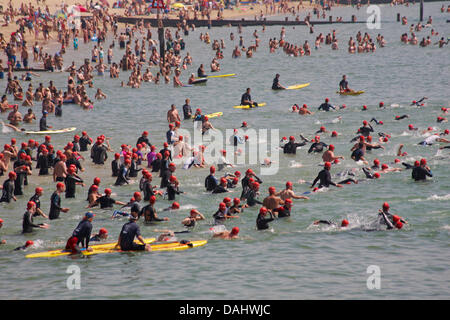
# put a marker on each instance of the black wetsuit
(276, 84)
(129, 231)
(105, 202)
(171, 192)
(164, 150)
(291, 147)
(99, 154)
(83, 233)
(149, 214)
(219, 189)
(18, 183)
(8, 191)
(357, 154)
(283, 212)
(219, 217)
(27, 224)
(122, 178)
(247, 97)
(187, 110)
(326, 107)
(43, 164)
(115, 167)
(165, 176)
(156, 165)
(134, 169)
(262, 222)
(365, 131)
(143, 139)
(84, 142)
(420, 173)
(210, 182)
(55, 206)
(325, 179)
(43, 124)
(317, 147)
(245, 184)
(37, 201)
(75, 162)
(251, 195)
(147, 188)
(71, 182)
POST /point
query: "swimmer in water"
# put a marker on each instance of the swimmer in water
(324, 177)
(326, 106)
(328, 156)
(262, 223)
(194, 216)
(227, 235)
(288, 193)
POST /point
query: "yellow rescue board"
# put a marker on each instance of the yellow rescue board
(96, 249)
(172, 246)
(212, 115)
(298, 86)
(248, 107)
(351, 93)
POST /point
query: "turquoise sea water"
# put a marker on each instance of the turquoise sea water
(292, 260)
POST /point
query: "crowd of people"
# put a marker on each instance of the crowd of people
(65, 165)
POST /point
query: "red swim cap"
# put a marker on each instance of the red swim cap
(384, 166)
(30, 204)
(222, 205)
(180, 138)
(212, 169)
(381, 104)
(322, 128)
(395, 218)
(291, 138)
(145, 133)
(29, 243)
(288, 184)
(331, 147)
(288, 201)
(152, 199)
(399, 225)
(344, 223)
(376, 175)
(336, 161)
(326, 99)
(226, 200)
(263, 210)
(237, 173)
(173, 179)
(116, 156)
(38, 190)
(334, 134)
(446, 131)
(175, 205)
(397, 160)
(236, 201)
(272, 190)
(223, 181)
(97, 180)
(327, 164)
(385, 206)
(417, 163)
(108, 191)
(235, 231)
(103, 231)
(60, 185)
(423, 161)
(136, 195)
(365, 122)
(364, 108)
